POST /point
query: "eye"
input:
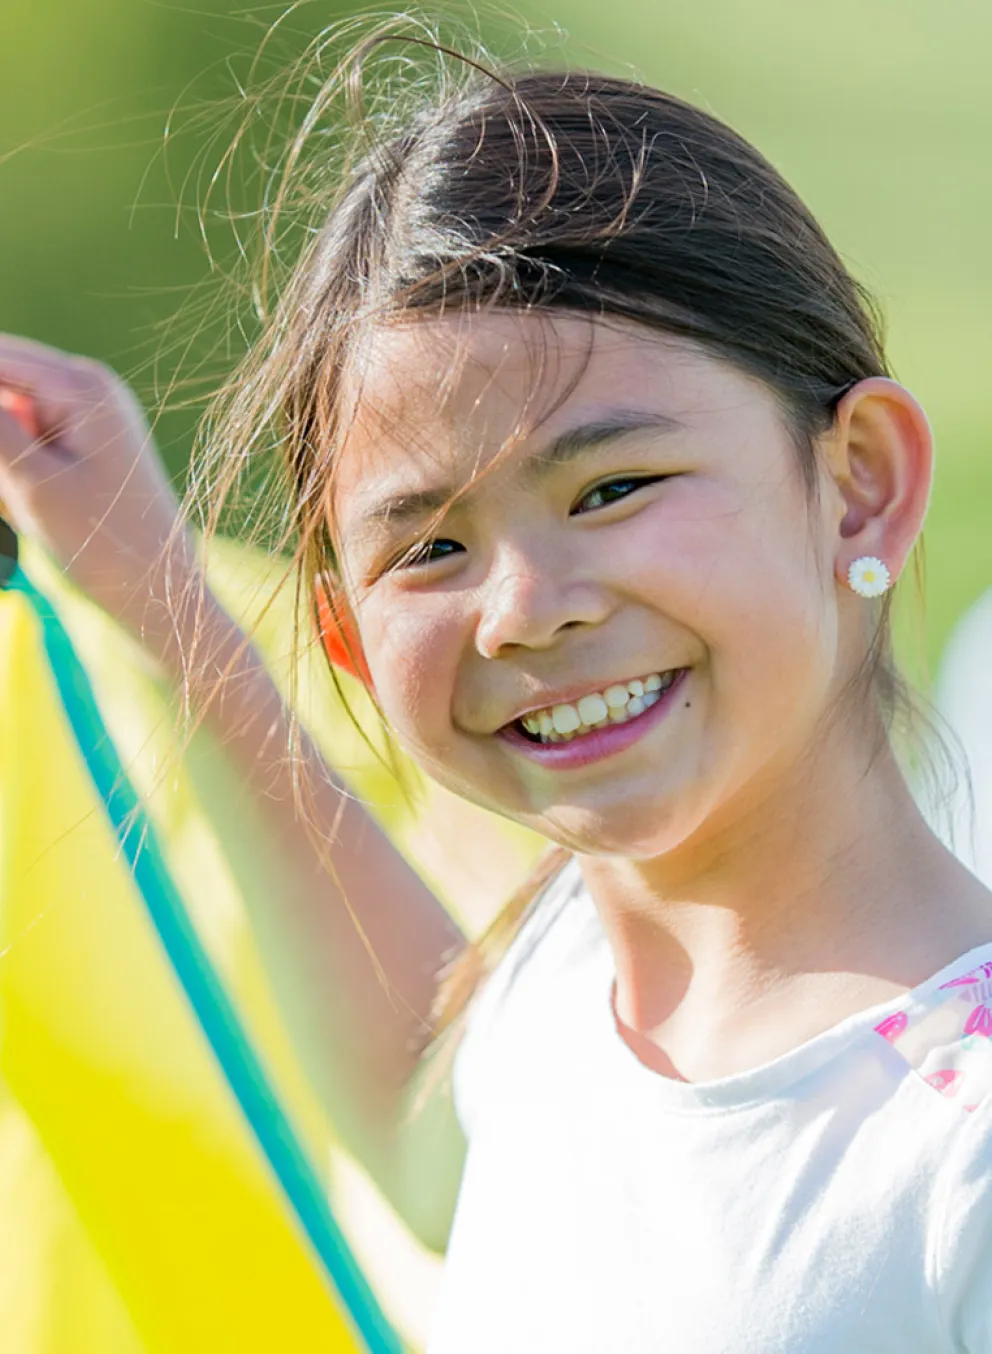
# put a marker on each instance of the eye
(611, 491)
(427, 552)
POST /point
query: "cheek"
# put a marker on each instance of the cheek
(745, 583)
(412, 646)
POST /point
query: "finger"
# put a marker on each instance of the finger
(32, 356)
(26, 363)
(64, 386)
(25, 465)
(57, 381)
(45, 409)
(22, 408)
(25, 455)
(49, 381)
(14, 442)
(42, 402)
(15, 439)
(43, 430)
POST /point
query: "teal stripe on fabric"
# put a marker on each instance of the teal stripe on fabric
(210, 1002)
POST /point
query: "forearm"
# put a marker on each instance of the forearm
(359, 1031)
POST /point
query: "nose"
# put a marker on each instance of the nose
(529, 600)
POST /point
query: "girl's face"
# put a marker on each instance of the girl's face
(534, 512)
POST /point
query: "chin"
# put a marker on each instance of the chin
(627, 833)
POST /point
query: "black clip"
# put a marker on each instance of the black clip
(8, 552)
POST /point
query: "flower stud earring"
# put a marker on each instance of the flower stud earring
(869, 577)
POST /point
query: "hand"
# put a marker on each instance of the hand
(79, 471)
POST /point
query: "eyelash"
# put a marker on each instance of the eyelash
(635, 481)
(419, 556)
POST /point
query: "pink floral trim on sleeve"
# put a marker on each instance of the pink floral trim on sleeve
(946, 1036)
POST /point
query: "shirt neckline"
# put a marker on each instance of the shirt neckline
(769, 1079)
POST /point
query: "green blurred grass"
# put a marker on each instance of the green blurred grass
(879, 111)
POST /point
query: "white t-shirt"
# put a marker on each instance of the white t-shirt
(837, 1200)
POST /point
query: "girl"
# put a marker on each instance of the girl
(594, 457)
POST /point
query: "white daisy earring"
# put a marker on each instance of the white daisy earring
(869, 577)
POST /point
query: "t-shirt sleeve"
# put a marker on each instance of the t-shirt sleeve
(474, 1055)
(965, 1246)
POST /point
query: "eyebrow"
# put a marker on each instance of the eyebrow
(568, 446)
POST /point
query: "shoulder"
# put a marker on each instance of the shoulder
(943, 1031)
(559, 923)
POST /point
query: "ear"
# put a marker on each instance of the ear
(880, 454)
(339, 633)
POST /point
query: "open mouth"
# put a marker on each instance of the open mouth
(617, 704)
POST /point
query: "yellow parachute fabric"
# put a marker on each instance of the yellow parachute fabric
(138, 1212)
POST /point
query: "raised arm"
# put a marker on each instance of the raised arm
(79, 470)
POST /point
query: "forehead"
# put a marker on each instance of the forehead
(496, 374)
(436, 400)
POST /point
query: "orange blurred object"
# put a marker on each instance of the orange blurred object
(21, 407)
(339, 636)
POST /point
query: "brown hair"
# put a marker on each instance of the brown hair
(525, 189)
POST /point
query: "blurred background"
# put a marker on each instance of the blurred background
(878, 111)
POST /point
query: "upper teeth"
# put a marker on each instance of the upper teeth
(615, 705)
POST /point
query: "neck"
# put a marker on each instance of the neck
(827, 894)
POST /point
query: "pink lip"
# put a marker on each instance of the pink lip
(597, 743)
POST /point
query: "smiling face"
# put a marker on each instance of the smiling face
(620, 508)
